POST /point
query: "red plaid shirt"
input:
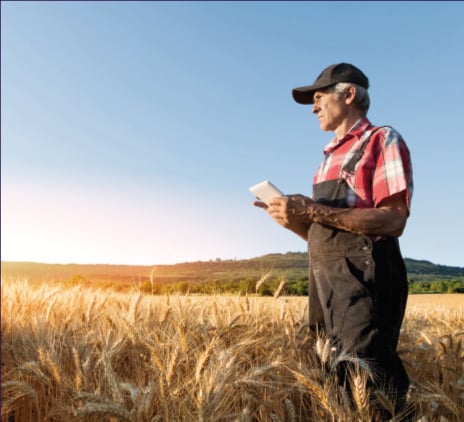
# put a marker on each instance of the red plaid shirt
(384, 169)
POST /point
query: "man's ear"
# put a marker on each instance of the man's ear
(350, 94)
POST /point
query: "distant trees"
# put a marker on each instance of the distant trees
(239, 283)
(219, 276)
(436, 286)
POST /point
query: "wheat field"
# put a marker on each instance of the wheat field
(84, 354)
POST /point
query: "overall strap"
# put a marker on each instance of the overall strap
(351, 164)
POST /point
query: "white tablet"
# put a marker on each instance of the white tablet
(265, 191)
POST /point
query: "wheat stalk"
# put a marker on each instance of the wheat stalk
(182, 338)
(384, 401)
(77, 364)
(172, 365)
(360, 392)
(262, 280)
(48, 362)
(111, 379)
(134, 306)
(33, 370)
(280, 288)
(104, 409)
(203, 360)
(165, 314)
(323, 349)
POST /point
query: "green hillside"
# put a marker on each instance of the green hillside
(220, 276)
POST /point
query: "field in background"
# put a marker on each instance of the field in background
(85, 354)
(431, 301)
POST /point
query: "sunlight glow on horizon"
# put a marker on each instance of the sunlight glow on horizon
(51, 226)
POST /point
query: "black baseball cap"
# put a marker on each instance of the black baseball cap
(341, 72)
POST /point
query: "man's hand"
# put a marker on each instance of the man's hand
(290, 212)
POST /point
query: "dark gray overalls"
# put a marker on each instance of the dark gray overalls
(358, 290)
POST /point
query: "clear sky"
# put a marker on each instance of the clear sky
(131, 131)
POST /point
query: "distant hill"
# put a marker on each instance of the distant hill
(427, 268)
(292, 265)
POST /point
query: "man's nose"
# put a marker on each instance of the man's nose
(315, 108)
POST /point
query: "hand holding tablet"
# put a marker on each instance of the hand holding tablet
(265, 191)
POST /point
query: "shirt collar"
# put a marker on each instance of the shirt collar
(356, 131)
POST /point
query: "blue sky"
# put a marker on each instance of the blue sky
(131, 131)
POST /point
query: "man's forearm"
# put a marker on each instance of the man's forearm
(368, 221)
(297, 213)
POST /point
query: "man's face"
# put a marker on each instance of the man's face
(330, 109)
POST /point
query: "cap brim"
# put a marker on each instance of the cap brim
(304, 94)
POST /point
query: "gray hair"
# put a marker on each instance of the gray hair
(361, 100)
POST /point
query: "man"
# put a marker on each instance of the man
(359, 207)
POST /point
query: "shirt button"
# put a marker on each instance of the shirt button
(366, 248)
(367, 262)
